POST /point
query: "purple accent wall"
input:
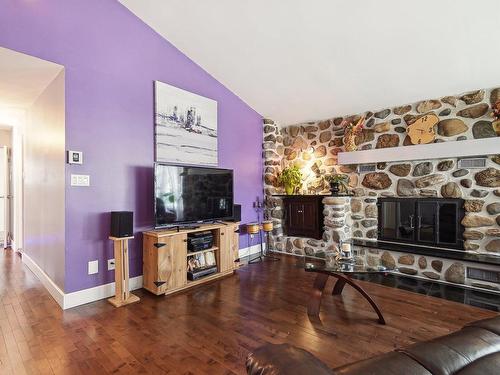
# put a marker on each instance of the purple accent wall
(111, 59)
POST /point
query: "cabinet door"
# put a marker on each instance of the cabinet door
(172, 262)
(235, 244)
(226, 254)
(303, 217)
(426, 221)
(295, 215)
(310, 216)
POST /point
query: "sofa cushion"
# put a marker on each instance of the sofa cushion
(491, 324)
(450, 354)
(284, 359)
(393, 363)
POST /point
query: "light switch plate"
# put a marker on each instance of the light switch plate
(111, 264)
(80, 180)
(93, 267)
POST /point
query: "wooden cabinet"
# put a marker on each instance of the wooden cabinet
(165, 257)
(304, 215)
(164, 262)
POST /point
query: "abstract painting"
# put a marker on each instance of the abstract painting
(185, 126)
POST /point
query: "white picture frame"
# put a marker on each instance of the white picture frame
(185, 127)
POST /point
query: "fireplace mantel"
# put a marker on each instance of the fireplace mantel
(451, 149)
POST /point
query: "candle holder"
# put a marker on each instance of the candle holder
(266, 227)
(346, 250)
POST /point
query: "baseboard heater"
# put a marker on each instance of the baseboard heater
(483, 275)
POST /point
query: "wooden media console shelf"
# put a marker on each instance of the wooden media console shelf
(165, 255)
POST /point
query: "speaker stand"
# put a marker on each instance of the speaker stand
(122, 293)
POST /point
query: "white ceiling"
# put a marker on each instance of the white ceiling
(23, 78)
(299, 60)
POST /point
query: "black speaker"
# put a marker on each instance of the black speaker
(122, 224)
(236, 213)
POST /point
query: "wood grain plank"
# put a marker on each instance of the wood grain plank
(211, 328)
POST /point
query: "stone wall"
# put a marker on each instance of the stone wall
(314, 147)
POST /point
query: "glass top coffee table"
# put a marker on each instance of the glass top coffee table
(341, 270)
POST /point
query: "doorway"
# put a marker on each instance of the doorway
(6, 189)
(32, 163)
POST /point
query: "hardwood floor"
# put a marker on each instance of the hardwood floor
(211, 329)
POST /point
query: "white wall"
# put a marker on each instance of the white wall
(44, 181)
(6, 137)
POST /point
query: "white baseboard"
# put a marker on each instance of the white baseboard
(97, 293)
(81, 297)
(246, 252)
(47, 282)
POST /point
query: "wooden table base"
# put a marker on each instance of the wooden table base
(314, 304)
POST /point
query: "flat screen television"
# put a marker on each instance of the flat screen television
(185, 194)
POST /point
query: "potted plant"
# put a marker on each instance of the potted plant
(337, 181)
(291, 179)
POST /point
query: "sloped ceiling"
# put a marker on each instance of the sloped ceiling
(23, 78)
(301, 60)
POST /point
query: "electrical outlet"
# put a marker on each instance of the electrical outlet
(111, 264)
(93, 267)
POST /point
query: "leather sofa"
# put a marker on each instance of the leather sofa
(474, 350)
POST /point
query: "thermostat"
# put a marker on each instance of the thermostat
(75, 157)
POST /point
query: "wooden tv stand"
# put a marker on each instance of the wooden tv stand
(165, 256)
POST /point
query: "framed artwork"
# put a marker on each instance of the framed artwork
(185, 127)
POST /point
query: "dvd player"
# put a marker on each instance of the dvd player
(200, 241)
(199, 273)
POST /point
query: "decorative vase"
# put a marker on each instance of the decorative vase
(334, 188)
(289, 189)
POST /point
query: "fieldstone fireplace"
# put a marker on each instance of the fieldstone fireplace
(471, 193)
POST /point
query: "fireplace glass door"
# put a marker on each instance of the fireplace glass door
(426, 222)
(449, 232)
(397, 219)
(423, 221)
(406, 222)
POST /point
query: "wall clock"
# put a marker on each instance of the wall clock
(422, 130)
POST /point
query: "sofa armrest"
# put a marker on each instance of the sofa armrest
(490, 324)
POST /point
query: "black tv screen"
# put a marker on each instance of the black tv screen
(185, 194)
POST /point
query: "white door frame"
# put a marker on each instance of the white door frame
(5, 197)
(16, 182)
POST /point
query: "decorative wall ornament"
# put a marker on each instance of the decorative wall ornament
(351, 132)
(185, 126)
(422, 130)
(496, 116)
